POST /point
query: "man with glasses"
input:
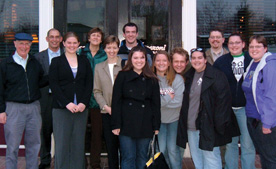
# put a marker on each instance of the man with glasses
(21, 75)
(216, 40)
(54, 39)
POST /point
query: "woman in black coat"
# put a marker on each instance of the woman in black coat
(135, 109)
(70, 78)
(206, 118)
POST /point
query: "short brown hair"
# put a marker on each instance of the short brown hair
(180, 51)
(111, 39)
(259, 38)
(95, 30)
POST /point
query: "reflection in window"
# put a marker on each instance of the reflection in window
(245, 16)
(17, 16)
(151, 17)
(83, 15)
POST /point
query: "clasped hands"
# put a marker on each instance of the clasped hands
(75, 108)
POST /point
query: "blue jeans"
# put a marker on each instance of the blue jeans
(201, 158)
(264, 143)
(247, 148)
(167, 144)
(134, 152)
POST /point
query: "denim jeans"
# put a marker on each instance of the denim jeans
(134, 152)
(201, 158)
(265, 143)
(248, 152)
(167, 144)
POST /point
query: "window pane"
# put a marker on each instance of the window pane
(245, 16)
(17, 16)
(82, 15)
(151, 17)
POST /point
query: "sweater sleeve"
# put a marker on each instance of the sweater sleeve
(178, 87)
(98, 89)
(267, 98)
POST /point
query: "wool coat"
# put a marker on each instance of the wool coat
(135, 105)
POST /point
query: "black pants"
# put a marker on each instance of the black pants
(112, 143)
(265, 144)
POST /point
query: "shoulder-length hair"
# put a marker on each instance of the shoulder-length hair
(170, 74)
(146, 69)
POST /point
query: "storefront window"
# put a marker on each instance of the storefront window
(83, 15)
(248, 17)
(151, 17)
(17, 16)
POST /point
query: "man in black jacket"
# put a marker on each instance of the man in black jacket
(130, 33)
(20, 78)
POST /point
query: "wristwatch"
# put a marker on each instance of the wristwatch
(103, 107)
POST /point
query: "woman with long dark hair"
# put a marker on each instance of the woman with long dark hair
(135, 109)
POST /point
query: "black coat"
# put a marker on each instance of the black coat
(216, 121)
(135, 105)
(63, 84)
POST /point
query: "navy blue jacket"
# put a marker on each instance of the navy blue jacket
(224, 63)
(19, 85)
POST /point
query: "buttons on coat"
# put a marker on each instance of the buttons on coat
(130, 104)
(130, 90)
(143, 105)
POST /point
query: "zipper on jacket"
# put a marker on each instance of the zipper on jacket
(29, 95)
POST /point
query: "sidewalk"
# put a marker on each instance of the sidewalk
(187, 163)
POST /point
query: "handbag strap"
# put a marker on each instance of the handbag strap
(153, 147)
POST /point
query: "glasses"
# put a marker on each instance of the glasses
(256, 47)
(234, 43)
(215, 37)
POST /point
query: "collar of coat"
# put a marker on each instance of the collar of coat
(208, 77)
(132, 75)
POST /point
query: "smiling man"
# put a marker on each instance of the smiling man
(20, 78)
(54, 39)
(216, 40)
(130, 33)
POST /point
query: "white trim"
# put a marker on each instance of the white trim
(46, 21)
(189, 30)
(4, 146)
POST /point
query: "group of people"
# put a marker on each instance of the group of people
(130, 95)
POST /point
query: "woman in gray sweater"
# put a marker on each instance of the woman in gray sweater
(171, 95)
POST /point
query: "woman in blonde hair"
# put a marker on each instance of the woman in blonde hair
(171, 94)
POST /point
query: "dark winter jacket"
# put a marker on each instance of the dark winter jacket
(224, 64)
(135, 105)
(216, 121)
(19, 85)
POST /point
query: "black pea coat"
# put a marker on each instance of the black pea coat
(135, 105)
(216, 121)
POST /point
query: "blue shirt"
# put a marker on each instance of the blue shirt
(250, 107)
(52, 54)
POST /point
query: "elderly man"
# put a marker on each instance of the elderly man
(20, 76)
(216, 40)
(54, 39)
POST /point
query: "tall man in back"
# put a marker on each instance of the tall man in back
(216, 40)
(21, 75)
(130, 33)
(54, 39)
